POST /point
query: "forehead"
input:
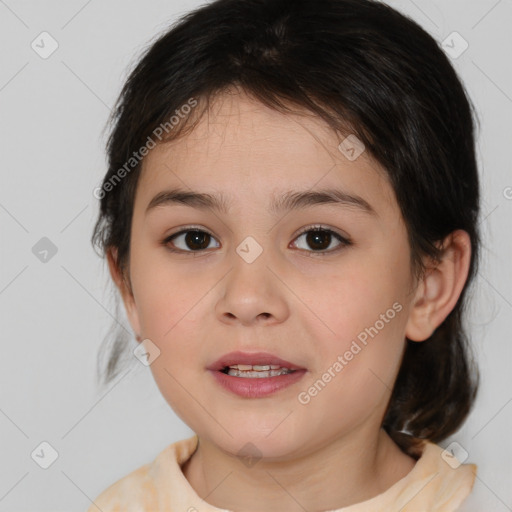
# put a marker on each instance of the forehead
(246, 150)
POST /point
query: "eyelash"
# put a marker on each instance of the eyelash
(344, 242)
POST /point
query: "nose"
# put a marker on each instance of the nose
(252, 294)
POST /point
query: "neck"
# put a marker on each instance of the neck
(338, 474)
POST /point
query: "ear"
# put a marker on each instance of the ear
(439, 290)
(123, 285)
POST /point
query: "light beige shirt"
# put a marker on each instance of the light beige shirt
(433, 485)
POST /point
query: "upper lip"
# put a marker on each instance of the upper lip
(253, 358)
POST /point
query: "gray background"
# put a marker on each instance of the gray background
(55, 313)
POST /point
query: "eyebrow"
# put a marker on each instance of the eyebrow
(291, 200)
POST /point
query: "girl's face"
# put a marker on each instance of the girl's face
(254, 282)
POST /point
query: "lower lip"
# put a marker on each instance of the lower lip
(257, 387)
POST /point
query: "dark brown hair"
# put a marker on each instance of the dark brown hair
(365, 69)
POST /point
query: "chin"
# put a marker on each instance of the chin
(252, 444)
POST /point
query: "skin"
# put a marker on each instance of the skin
(291, 301)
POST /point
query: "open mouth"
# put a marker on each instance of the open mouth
(256, 371)
(255, 374)
(257, 381)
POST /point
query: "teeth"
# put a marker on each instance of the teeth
(245, 367)
(257, 371)
(258, 374)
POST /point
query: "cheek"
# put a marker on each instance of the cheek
(357, 372)
(170, 304)
(355, 299)
(166, 295)
(360, 353)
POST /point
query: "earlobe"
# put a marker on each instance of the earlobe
(440, 288)
(125, 290)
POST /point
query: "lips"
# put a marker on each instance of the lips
(255, 358)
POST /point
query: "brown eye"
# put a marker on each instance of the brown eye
(320, 239)
(190, 240)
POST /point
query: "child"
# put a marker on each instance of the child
(315, 345)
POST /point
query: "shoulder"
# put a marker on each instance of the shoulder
(444, 480)
(149, 486)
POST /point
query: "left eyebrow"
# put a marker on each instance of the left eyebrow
(291, 200)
